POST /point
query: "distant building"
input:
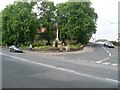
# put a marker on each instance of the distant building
(39, 34)
(92, 40)
(101, 41)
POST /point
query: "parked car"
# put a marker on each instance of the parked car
(108, 44)
(14, 48)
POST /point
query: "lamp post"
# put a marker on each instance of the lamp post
(119, 37)
(118, 29)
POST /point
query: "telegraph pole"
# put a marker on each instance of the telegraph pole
(118, 22)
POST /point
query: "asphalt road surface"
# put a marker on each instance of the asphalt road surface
(42, 70)
(98, 54)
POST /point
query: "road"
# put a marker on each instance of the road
(99, 54)
(42, 70)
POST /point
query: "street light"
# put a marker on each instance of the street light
(118, 29)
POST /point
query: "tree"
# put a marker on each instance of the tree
(19, 24)
(47, 19)
(76, 21)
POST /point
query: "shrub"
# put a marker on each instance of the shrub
(76, 46)
(37, 44)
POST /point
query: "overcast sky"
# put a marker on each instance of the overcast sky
(107, 23)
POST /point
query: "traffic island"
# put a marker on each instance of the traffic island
(67, 48)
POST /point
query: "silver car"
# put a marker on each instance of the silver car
(14, 48)
(108, 44)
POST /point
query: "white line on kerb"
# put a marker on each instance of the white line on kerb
(62, 69)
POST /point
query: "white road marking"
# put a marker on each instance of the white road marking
(81, 60)
(112, 80)
(91, 61)
(114, 64)
(98, 62)
(107, 51)
(62, 69)
(107, 57)
(107, 63)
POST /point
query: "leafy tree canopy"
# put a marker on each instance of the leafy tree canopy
(47, 19)
(19, 23)
(76, 21)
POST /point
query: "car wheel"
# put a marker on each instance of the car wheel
(13, 51)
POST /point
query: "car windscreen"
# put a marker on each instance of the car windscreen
(111, 44)
(16, 46)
